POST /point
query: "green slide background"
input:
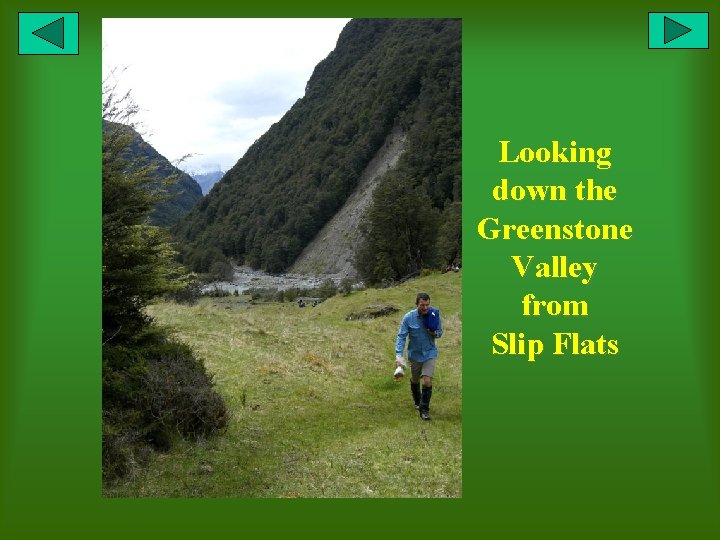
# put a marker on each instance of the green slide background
(567, 446)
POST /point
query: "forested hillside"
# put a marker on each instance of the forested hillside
(382, 73)
(177, 190)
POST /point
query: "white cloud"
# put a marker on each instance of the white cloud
(211, 87)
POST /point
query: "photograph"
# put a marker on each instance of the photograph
(281, 258)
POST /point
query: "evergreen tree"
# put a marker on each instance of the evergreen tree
(399, 231)
(152, 386)
(138, 258)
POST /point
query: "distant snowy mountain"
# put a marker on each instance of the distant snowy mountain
(207, 180)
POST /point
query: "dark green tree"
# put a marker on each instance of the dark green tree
(138, 258)
(399, 231)
(448, 246)
(153, 387)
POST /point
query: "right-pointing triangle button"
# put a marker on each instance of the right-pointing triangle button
(674, 30)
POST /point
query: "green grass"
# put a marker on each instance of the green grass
(314, 409)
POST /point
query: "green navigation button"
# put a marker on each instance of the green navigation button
(48, 33)
(683, 30)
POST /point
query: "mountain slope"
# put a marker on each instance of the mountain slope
(383, 74)
(332, 251)
(180, 191)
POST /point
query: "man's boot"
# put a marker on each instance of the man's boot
(415, 389)
(425, 402)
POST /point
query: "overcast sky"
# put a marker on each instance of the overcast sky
(211, 87)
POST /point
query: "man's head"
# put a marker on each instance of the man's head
(422, 302)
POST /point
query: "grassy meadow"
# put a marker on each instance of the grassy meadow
(314, 409)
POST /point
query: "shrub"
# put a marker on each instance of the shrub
(124, 447)
(178, 393)
(154, 390)
(188, 295)
(346, 286)
(427, 272)
(327, 289)
(263, 294)
(291, 295)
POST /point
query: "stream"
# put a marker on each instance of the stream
(246, 278)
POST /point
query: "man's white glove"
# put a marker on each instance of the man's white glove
(400, 361)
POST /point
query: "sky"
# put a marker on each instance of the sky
(211, 87)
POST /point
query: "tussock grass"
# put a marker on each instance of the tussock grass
(314, 409)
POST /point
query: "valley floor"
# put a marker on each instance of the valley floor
(314, 409)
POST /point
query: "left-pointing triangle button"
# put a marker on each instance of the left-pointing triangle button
(53, 32)
(43, 33)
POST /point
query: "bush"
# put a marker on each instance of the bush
(346, 286)
(291, 295)
(263, 294)
(188, 295)
(178, 393)
(327, 289)
(154, 390)
(124, 447)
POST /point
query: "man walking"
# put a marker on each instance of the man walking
(423, 327)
